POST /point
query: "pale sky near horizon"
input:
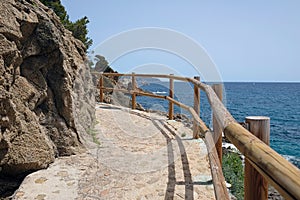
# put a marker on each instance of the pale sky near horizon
(247, 40)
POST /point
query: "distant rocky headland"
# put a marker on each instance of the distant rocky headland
(46, 91)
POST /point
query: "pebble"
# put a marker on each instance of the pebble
(41, 180)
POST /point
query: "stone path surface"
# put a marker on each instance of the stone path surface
(141, 156)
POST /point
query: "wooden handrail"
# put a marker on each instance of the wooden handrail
(178, 78)
(217, 129)
(171, 95)
(196, 108)
(133, 95)
(283, 175)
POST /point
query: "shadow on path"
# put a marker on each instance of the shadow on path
(188, 182)
(172, 182)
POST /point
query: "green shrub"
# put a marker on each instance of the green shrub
(234, 173)
(93, 133)
(78, 28)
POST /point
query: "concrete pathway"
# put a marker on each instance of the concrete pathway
(141, 156)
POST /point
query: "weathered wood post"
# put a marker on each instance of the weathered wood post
(171, 94)
(133, 97)
(256, 187)
(217, 129)
(196, 108)
(101, 85)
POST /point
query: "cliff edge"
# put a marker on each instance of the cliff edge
(46, 91)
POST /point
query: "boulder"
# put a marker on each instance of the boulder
(46, 91)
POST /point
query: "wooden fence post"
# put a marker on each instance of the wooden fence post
(196, 108)
(256, 187)
(217, 129)
(101, 87)
(171, 95)
(133, 97)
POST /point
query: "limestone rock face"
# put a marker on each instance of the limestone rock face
(46, 91)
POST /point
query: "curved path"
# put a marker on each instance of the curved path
(141, 156)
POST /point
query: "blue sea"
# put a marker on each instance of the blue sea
(279, 101)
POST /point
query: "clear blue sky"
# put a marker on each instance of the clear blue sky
(248, 40)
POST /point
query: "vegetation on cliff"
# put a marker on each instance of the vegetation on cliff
(78, 28)
(234, 173)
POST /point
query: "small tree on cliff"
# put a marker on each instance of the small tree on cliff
(78, 28)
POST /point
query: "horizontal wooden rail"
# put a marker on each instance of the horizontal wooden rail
(283, 175)
(151, 95)
(139, 93)
(178, 78)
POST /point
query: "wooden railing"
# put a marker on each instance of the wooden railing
(284, 176)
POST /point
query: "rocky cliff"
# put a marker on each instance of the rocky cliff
(46, 95)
